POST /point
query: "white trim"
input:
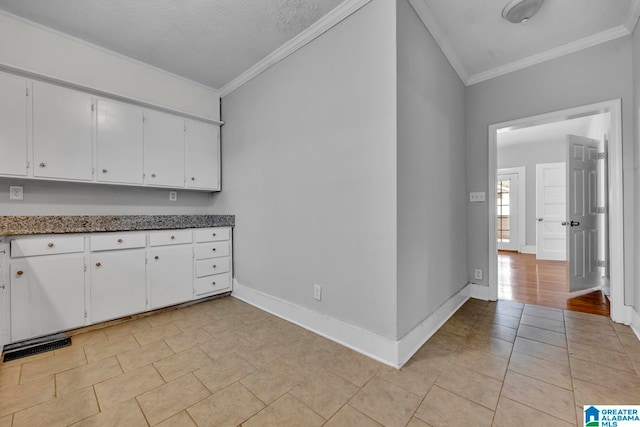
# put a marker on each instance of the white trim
(521, 171)
(528, 249)
(423, 12)
(107, 51)
(104, 94)
(578, 45)
(633, 15)
(479, 291)
(411, 342)
(324, 24)
(385, 350)
(616, 225)
(634, 321)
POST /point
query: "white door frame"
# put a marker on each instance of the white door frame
(522, 196)
(619, 312)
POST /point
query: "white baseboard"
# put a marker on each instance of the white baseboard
(411, 342)
(479, 291)
(635, 322)
(528, 249)
(386, 350)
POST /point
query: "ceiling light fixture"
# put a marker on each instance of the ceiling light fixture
(520, 11)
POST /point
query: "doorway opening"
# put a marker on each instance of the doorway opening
(537, 269)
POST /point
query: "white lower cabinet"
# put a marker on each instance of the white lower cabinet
(117, 284)
(59, 283)
(170, 275)
(47, 295)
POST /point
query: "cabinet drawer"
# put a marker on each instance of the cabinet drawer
(170, 237)
(205, 267)
(215, 283)
(212, 250)
(47, 246)
(110, 242)
(212, 234)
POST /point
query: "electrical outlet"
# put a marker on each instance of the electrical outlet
(476, 196)
(173, 196)
(317, 292)
(478, 274)
(16, 193)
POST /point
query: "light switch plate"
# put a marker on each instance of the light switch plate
(476, 196)
(16, 193)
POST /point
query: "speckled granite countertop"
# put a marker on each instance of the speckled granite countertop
(49, 224)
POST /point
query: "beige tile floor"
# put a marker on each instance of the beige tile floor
(226, 363)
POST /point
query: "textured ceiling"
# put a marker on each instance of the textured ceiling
(481, 40)
(208, 41)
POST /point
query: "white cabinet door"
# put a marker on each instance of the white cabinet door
(62, 133)
(117, 284)
(202, 153)
(47, 295)
(13, 125)
(170, 275)
(119, 142)
(163, 149)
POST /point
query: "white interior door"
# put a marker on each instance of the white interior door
(551, 193)
(582, 213)
(507, 212)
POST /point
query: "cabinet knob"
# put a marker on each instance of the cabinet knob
(173, 237)
(153, 175)
(50, 244)
(43, 165)
(214, 249)
(215, 266)
(156, 257)
(214, 234)
(98, 264)
(213, 283)
(119, 240)
(104, 171)
(19, 273)
(193, 178)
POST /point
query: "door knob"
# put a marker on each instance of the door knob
(574, 223)
(540, 219)
(564, 223)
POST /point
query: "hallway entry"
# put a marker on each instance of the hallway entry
(523, 278)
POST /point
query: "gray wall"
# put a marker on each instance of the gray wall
(636, 163)
(67, 198)
(309, 170)
(432, 235)
(592, 75)
(529, 154)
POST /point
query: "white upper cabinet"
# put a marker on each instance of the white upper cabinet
(119, 142)
(62, 133)
(163, 149)
(13, 125)
(202, 155)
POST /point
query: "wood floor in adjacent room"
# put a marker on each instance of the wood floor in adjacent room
(523, 278)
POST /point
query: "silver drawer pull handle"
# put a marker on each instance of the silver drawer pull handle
(50, 244)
